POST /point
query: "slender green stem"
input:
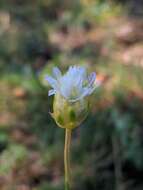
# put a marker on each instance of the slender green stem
(67, 158)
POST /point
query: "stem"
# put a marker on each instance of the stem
(67, 158)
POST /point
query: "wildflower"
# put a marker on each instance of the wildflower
(71, 104)
(73, 85)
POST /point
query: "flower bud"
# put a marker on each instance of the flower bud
(69, 114)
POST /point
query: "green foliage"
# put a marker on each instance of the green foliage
(12, 157)
(46, 186)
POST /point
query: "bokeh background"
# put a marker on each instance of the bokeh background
(106, 37)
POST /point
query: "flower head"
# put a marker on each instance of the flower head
(70, 107)
(74, 85)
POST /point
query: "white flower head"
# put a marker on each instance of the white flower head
(74, 85)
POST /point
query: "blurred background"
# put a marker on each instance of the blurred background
(106, 37)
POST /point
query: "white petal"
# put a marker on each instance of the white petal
(53, 82)
(91, 78)
(91, 90)
(56, 72)
(85, 92)
(51, 92)
(65, 87)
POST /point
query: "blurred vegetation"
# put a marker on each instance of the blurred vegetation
(104, 36)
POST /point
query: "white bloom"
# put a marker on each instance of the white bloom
(74, 85)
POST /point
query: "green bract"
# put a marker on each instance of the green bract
(67, 114)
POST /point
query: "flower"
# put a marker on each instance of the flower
(74, 85)
(70, 107)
